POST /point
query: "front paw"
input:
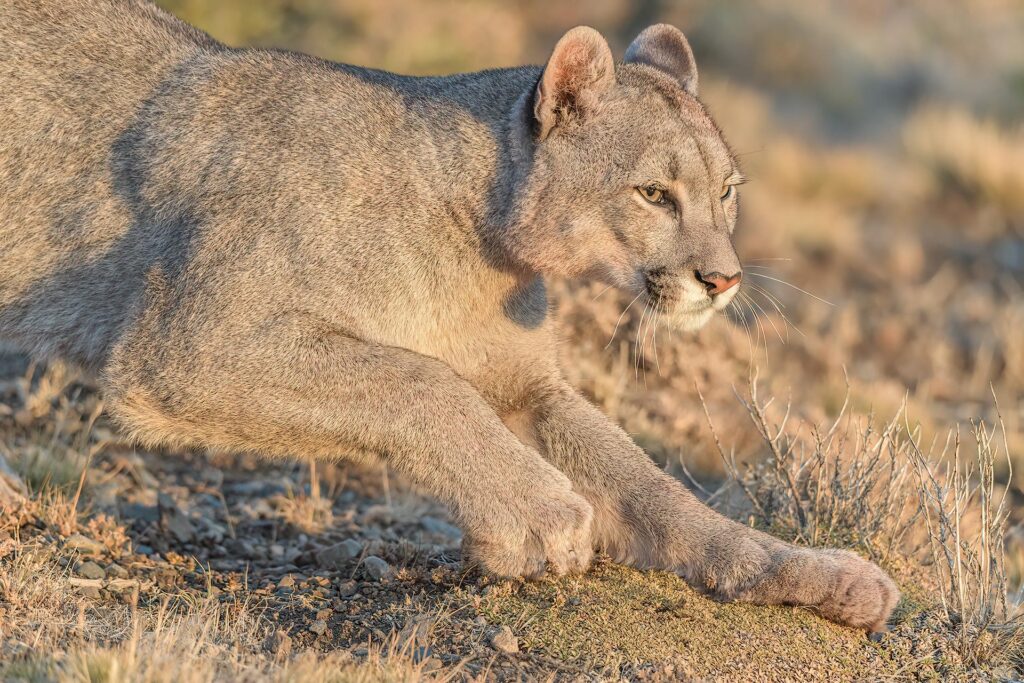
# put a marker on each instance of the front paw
(836, 584)
(862, 595)
(545, 534)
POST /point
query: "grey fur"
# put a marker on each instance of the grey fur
(263, 251)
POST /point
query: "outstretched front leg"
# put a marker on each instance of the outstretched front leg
(645, 518)
(299, 388)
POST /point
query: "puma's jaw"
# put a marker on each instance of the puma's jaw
(681, 301)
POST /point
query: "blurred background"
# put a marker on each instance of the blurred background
(882, 230)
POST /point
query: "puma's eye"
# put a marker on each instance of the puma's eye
(653, 194)
(730, 190)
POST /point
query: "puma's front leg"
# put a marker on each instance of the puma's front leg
(646, 518)
(301, 390)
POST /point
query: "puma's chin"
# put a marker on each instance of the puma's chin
(689, 318)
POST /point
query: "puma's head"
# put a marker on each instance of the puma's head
(630, 180)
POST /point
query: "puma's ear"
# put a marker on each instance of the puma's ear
(579, 70)
(665, 48)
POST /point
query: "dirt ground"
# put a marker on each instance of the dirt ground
(355, 578)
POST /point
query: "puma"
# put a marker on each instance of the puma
(264, 251)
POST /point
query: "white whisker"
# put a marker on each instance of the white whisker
(783, 282)
(619, 321)
(778, 305)
(599, 294)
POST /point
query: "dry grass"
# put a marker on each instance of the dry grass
(942, 514)
(966, 512)
(979, 158)
(842, 484)
(51, 633)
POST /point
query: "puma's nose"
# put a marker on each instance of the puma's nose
(716, 283)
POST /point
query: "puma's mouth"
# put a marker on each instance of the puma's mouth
(682, 299)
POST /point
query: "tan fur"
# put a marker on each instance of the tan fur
(262, 251)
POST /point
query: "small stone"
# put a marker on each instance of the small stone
(319, 627)
(380, 514)
(347, 588)
(377, 569)
(84, 545)
(211, 532)
(123, 587)
(279, 642)
(440, 527)
(287, 582)
(117, 571)
(277, 550)
(147, 514)
(89, 588)
(174, 520)
(505, 641)
(335, 556)
(143, 549)
(90, 570)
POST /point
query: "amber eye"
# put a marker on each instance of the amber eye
(653, 194)
(730, 190)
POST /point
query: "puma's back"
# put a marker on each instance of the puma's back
(74, 73)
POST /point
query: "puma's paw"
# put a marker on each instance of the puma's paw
(862, 595)
(550, 534)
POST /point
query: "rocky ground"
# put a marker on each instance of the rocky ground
(354, 572)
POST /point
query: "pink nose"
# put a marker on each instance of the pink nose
(716, 283)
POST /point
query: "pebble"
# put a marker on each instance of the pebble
(505, 641)
(174, 520)
(335, 556)
(90, 570)
(319, 627)
(440, 527)
(377, 569)
(279, 642)
(123, 588)
(89, 588)
(117, 571)
(138, 511)
(84, 545)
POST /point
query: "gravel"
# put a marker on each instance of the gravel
(503, 640)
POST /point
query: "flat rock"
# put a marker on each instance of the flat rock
(90, 570)
(84, 545)
(335, 556)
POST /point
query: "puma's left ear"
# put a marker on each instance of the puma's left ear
(665, 48)
(579, 70)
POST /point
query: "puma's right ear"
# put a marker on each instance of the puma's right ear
(579, 70)
(666, 49)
